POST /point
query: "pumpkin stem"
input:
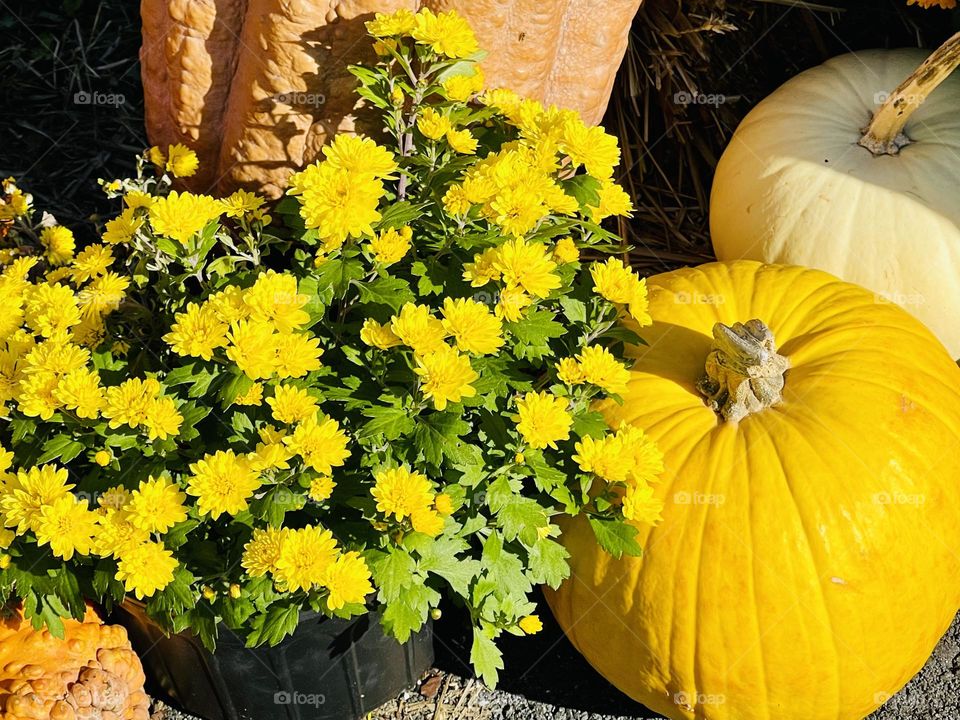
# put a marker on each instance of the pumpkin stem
(744, 372)
(884, 135)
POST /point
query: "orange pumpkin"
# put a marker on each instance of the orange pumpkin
(257, 87)
(91, 673)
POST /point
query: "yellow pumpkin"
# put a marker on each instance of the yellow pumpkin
(807, 560)
(809, 179)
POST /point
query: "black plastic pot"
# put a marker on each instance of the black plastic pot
(329, 669)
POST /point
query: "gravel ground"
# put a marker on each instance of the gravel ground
(545, 679)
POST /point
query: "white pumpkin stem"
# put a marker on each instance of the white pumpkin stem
(744, 372)
(884, 135)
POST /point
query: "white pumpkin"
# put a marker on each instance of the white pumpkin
(817, 175)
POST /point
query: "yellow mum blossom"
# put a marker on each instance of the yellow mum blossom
(92, 261)
(462, 141)
(473, 327)
(378, 336)
(305, 556)
(58, 244)
(443, 504)
(530, 624)
(103, 458)
(590, 146)
(559, 202)
(401, 493)
(543, 419)
(114, 498)
(229, 305)
(37, 398)
(347, 580)
(506, 101)
(146, 568)
(68, 526)
(427, 521)
(455, 201)
(320, 442)
(27, 492)
(181, 161)
(612, 200)
(461, 87)
(602, 457)
(156, 505)
(527, 265)
(639, 306)
(640, 505)
(390, 245)
(297, 355)
(129, 402)
(517, 210)
(643, 458)
(55, 357)
(432, 124)
(156, 156)
(241, 203)
(138, 199)
(103, 295)
(569, 372)
(321, 488)
(336, 202)
(483, 269)
(222, 483)
(162, 419)
(80, 391)
(602, 369)
(180, 216)
(614, 280)
(511, 304)
(418, 328)
(447, 33)
(445, 376)
(122, 228)
(400, 22)
(274, 298)
(566, 251)
(291, 404)
(261, 553)
(253, 348)
(197, 332)
(252, 397)
(270, 455)
(359, 155)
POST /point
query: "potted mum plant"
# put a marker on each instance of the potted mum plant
(238, 425)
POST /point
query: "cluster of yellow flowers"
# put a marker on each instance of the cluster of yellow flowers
(305, 559)
(46, 337)
(403, 495)
(14, 202)
(125, 526)
(447, 34)
(259, 329)
(627, 456)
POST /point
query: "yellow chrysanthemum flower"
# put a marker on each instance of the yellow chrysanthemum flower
(336, 202)
(27, 492)
(443, 504)
(570, 372)
(103, 295)
(103, 457)
(138, 199)
(122, 228)
(473, 327)
(602, 369)
(400, 493)
(590, 146)
(252, 397)
(197, 332)
(156, 505)
(527, 265)
(461, 87)
(128, 402)
(114, 498)
(291, 404)
(543, 419)
(67, 525)
(181, 161)
(146, 568)
(261, 553)
(297, 355)
(612, 200)
(321, 488)
(116, 534)
(445, 376)
(447, 33)
(566, 251)
(400, 22)
(432, 124)
(517, 210)
(511, 304)
(229, 305)
(58, 244)
(359, 155)
(162, 419)
(602, 457)
(417, 328)
(462, 141)
(483, 269)
(427, 521)
(80, 391)
(455, 201)
(155, 155)
(530, 624)
(642, 456)
(253, 348)
(274, 298)
(222, 483)
(614, 281)
(92, 261)
(320, 442)
(390, 245)
(640, 505)
(378, 336)
(305, 556)
(36, 395)
(347, 580)
(180, 216)
(241, 203)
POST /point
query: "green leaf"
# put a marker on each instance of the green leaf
(486, 657)
(408, 612)
(574, 310)
(60, 446)
(590, 423)
(390, 291)
(393, 572)
(536, 328)
(391, 422)
(400, 213)
(237, 385)
(275, 624)
(616, 537)
(585, 189)
(431, 277)
(438, 436)
(504, 568)
(236, 611)
(548, 563)
(335, 276)
(441, 557)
